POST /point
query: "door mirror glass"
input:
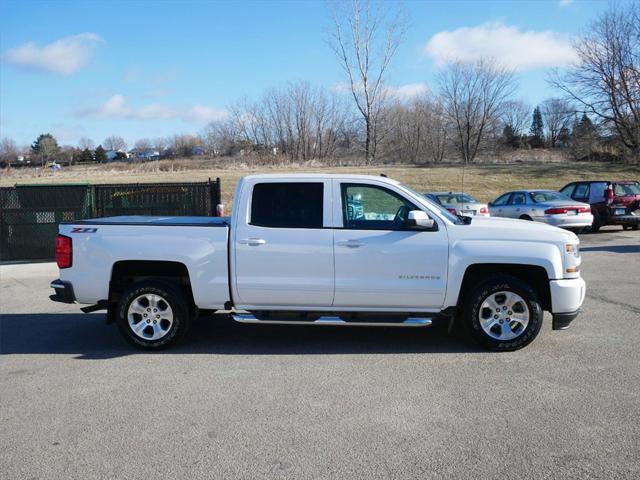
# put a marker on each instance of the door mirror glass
(419, 220)
(490, 204)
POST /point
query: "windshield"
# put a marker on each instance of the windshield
(441, 210)
(547, 196)
(622, 189)
(456, 198)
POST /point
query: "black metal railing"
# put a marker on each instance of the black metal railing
(30, 214)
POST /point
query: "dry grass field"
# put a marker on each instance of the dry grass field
(484, 181)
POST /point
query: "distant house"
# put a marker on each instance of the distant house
(197, 151)
(116, 155)
(144, 154)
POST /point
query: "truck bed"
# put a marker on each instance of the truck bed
(156, 221)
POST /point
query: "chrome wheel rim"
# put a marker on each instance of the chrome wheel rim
(150, 316)
(504, 315)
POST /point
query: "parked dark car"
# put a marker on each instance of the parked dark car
(612, 202)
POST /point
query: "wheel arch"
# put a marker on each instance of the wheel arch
(533, 275)
(126, 272)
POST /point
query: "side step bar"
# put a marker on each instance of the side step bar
(331, 320)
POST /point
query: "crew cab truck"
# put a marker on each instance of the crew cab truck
(323, 250)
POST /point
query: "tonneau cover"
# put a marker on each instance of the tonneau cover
(155, 221)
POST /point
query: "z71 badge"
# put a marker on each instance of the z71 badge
(84, 230)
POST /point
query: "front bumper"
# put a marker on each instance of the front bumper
(64, 292)
(567, 296)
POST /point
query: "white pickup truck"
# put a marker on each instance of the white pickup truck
(323, 250)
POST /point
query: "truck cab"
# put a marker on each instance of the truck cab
(346, 250)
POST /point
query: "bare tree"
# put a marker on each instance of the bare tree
(86, 143)
(472, 95)
(142, 144)
(8, 150)
(558, 116)
(517, 115)
(365, 39)
(114, 143)
(605, 79)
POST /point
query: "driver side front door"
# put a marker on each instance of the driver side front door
(378, 262)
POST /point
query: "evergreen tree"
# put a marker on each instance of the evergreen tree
(100, 155)
(45, 147)
(86, 156)
(510, 138)
(537, 130)
(584, 140)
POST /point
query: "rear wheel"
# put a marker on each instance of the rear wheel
(153, 315)
(503, 313)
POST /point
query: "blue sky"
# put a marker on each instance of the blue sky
(149, 69)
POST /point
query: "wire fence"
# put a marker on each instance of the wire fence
(30, 214)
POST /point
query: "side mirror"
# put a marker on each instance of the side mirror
(419, 220)
(490, 204)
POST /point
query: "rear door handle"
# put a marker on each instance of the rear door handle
(253, 242)
(350, 243)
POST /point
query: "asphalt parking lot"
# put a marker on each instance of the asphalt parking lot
(242, 401)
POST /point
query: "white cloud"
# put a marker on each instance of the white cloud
(408, 91)
(565, 3)
(401, 92)
(65, 56)
(511, 47)
(116, 107)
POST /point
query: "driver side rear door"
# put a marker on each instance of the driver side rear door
(379, 264)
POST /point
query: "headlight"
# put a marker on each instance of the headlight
(572, 259)
(572, 249)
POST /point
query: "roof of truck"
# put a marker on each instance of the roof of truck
(285, 176)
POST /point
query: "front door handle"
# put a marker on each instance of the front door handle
(253, 242)
(349, 243)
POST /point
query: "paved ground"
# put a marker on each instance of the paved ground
(241, 401)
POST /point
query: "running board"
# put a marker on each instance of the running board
(335, 321)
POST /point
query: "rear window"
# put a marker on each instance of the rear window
(543, 197)
(623, 189)
(457, 198)
(287, 205)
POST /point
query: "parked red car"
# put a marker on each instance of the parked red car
(612, 202)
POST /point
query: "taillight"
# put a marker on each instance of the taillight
(555, 211)
(584, 210)
(64, 251)
(452, 210)
(484, 210)
(610, 194)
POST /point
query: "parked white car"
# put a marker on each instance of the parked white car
(323, 250)
(545, 206)
(459, 203)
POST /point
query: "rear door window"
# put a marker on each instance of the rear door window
(518, 198)
(287, 205)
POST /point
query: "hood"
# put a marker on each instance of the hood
(498, 228)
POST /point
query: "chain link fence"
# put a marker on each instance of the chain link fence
(30, 214)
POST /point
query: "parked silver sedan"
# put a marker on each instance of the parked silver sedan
(459, 203)
(546, 206)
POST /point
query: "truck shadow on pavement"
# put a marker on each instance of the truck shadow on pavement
(613, 249)
(88, 337)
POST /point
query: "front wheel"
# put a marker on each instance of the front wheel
(153, 315)
(503, 313)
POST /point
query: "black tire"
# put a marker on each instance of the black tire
(635, 227)
(473, 302)
(526, 217)
(174, 298)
